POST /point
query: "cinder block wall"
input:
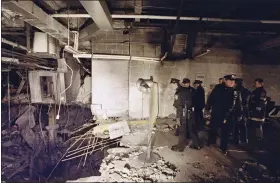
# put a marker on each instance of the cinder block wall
(114, 82)
(115, 42)
(216, 64)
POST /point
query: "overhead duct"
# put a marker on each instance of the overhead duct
(44, 46)
(35, 16)
(13, 44)
(180, 44)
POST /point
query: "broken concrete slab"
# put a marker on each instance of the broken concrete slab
(123, 165)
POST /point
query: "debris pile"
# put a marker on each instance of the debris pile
(27, 153)
(123, 165)
(165, 125)
(15, 155)
(253, 171)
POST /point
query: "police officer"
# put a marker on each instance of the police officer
(257, 107)
(240, 128)
(225, 105)
(178, 104)
(221, 80)
(199, 103)
(185, 118)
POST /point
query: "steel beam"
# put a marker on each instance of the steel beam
(100, 14)
(87, 33)
(36, 17)
(138, 9)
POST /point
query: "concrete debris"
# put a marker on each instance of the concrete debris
(123, 165)
(165, 125)
(137, 137)
(7, 143)
(251, 170)
(4, 132)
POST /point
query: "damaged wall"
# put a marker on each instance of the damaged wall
(214, 65)
(226, 56)
(72, 92)
(80, 90)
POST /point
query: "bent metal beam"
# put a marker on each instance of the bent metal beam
(36, 17)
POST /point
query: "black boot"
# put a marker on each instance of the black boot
(177, 148)
(195, 147)
(177, 132)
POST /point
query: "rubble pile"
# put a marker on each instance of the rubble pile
(165, 125)
(123, 165)
(27, 153)
(253, 171)
(15, 155)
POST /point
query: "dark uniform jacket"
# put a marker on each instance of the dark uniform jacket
(199, 98)
(184, 95)
(257, 103)
(245, 94)
(225, 103)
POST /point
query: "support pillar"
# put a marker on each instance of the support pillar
(52, 128)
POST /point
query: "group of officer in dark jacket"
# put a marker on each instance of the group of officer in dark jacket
(229, 108)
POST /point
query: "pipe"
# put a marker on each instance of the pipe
(160, 17)
(13, 33)
(202, 54)
(116, 57)
(3, 40)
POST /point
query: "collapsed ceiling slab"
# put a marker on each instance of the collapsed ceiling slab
(36, 17)
(100, 13)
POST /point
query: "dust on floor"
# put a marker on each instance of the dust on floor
(122, 164)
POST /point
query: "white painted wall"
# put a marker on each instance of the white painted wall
(110, 88)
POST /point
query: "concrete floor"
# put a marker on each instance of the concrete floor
(253, 162)
(207, 164)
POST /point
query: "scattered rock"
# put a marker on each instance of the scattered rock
(197, 165)
(7, 143)
(129, 169)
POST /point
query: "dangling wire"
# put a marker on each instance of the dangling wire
(68, 26)
(9, 100)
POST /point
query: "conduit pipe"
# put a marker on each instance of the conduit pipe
(160, 17)
(3, 40)
(116, 57)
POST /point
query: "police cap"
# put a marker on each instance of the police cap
(230, 77)
(260, 80)
(186, 80)
(197, 82)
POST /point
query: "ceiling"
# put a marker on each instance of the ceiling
(222, 10)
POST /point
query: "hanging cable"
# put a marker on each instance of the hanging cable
(68, 22)
(61, 97)
(9, 100)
